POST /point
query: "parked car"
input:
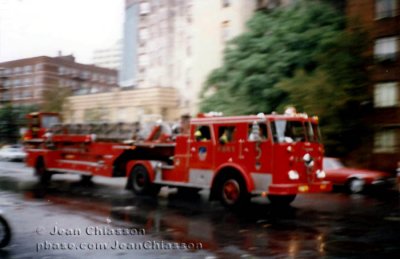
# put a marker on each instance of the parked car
(354, 180)
(12, 153)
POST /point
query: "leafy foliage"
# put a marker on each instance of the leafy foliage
(11, 120)
(300, 55)
(276, 44)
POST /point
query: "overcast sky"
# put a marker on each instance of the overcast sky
(31, 28)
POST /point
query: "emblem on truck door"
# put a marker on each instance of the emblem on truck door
(202, 153)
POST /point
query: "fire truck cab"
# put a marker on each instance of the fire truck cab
(277, 156)
(39, 123)
(274, 156)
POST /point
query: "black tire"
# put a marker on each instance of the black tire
(281, 200)
(5, 232)
(355, 185)
(141, 184)
(86, 178)
(41, 172)
(233, 192)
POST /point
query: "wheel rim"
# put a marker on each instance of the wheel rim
(356, 185)
(231, 191)
(139, 181)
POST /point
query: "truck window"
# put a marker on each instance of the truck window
(313, 133)
(288, 131)
(257, 131)
(49, 120)
(202, 133)
(226, 134)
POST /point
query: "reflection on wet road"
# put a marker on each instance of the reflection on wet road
(327, 225)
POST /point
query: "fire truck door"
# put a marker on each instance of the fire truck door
(227, 144)
(201, 155)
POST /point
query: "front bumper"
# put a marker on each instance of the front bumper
(382, 184)
(295, 188)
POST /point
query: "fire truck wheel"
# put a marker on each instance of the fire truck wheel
(41, 171)
(281, 200)
(5, 232)
(233, 193)
(86, 178)
(141, 184)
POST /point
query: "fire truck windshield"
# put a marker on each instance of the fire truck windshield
(286, 131)
(49, 120)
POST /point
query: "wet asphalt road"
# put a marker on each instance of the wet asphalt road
(333, 225)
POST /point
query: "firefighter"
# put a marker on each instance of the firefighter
(224, 137)
(198, 135)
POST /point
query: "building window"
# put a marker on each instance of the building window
(143, 60)
(385, 8)
(27, 81)
(26, 94)
(17, 70)
(144, 8)
(143, 34)
(226, 3)
(17, 83)
(386, 48)
(7, 84)
(386, 94)
(385, 141)
(27, 69)
(39, 67)
(225, 31)
(6, 97)
(61, 70)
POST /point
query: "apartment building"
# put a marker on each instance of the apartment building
(381, 19)
(109, 57)
(178, 43)
(25, 80)
(124, 105)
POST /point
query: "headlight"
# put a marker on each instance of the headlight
(321, 174)
(293, 175)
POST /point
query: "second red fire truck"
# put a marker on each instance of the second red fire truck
(274, 156)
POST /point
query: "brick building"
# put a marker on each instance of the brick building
(25, 80)
(381, 19)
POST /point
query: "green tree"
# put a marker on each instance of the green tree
(336, 91)
(11, 120)
(299, 55)
(275, 45)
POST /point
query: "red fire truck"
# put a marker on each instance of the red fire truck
(275, 156)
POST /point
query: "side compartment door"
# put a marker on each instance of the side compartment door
(256, 152)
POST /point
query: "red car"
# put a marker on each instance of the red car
(354, 180)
